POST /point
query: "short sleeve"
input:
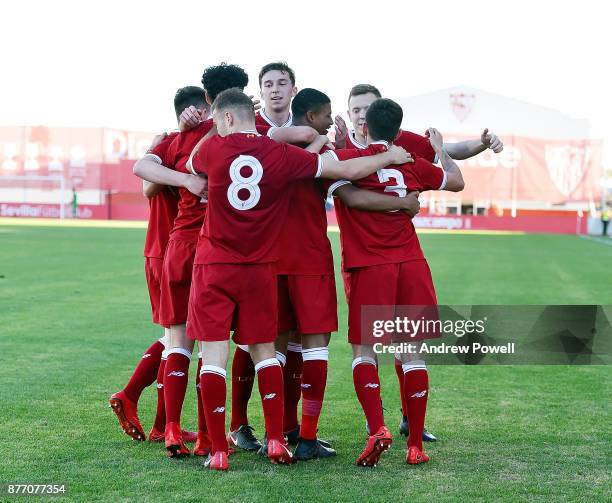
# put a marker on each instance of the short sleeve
(198, 160)
(416, 144)
(304, 165)
(162, 151)
(330, 186)
(430, 176)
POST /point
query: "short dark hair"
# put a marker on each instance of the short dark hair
(236, 100)
(384, 118)
(308, 100)
(281, 66)
(221, 77)
(364, 89)
(188, 96)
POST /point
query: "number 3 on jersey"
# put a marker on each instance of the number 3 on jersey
(386, 174)
(244, 183)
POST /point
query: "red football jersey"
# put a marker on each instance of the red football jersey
(415, 143)
(191, 209)
(370, 237)
(304, 247)
(261, 119)
(163, 208)
(249, 177)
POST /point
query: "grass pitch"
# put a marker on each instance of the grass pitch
(75, 319)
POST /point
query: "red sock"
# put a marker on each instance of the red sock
(270, 381)
(201, 415)
(416, 389)
(314, 379)
(213, 386)
(160, 414)
(145, 372)
(175, 383)
(367, 387)
(243, 375)
(292, 377)
(400, 377)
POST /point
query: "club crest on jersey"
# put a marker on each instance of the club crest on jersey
(566, 166)
(462, 104)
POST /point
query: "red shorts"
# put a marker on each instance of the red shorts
(226, 296)
(153, 273)
(388, 285)
(307, 303)
(176, 282)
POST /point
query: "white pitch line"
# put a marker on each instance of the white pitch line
(601, 240)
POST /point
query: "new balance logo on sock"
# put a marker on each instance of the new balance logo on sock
(146, 355)
(371, 385)
(198, 386)
(419, 394)
(219, 409)
(160, 385)
(176, 373)
(269, 396)
(305, 385)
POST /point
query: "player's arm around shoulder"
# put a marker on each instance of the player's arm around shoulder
(151, 169)
(360, 167)
(295, 135)
(367, 200)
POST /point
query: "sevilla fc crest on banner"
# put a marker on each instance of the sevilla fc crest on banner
(567, 165)
(462, 104)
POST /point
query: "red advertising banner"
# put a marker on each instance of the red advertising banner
(528, 169)
(97, 164)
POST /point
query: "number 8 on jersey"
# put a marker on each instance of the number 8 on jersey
(244, 183)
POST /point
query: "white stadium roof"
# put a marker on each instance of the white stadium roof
(465, 110)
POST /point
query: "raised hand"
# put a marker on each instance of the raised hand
(190, 118)
(435, 138)
(491, 141)
(341, 132)
(256, 103)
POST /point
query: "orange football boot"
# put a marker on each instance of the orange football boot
(375, 446)
(127, 413)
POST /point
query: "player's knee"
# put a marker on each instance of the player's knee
(310, 341)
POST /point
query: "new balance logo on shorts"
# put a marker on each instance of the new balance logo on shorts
(269, 396)
(371, 385)
(176, 373)
(219, 409)
(419, 394)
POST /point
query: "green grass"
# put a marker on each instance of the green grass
(74, 320)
